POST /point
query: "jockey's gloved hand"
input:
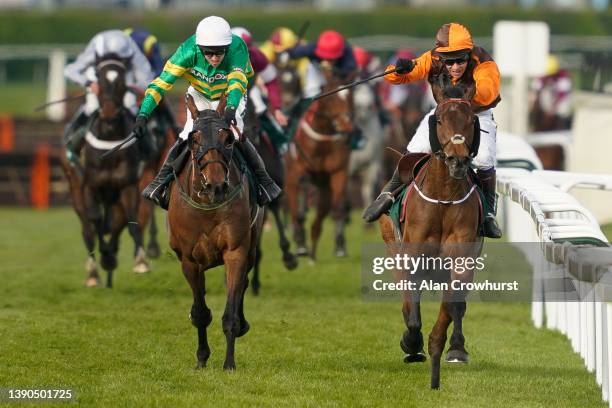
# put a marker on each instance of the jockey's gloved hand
(230, 115)
(140, 126)
(404, 66)
(283, 58)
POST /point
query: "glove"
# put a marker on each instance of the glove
(230, 115)
(140, 126)
(404, 66)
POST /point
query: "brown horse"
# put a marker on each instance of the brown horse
(442, 221)
(106, 198)
(276, 169)
(211, 222)
(320, 154)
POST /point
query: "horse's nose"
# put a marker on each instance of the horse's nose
(207, 186)
(220, 190)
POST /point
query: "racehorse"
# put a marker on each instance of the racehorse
(213, 220)
(161, 138)
(106, 198)
(276, 169)
(320, 153)
(442, 220)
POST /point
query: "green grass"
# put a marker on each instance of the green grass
(313, 340)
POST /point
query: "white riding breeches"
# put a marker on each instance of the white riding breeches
(202, 103)
(485, 159)
(314, 81)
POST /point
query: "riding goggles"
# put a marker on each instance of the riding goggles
(213, 51)
(452, 61)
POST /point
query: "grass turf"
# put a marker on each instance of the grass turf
(313, 340)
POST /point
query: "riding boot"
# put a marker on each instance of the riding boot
(487, 181)
(268, 190)
(74, 136)
(385, 200)
(157, 190)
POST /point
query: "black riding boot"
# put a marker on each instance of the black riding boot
(268, 190)
(157, 190)
(487, 181)
(384, 201)
(74, 136)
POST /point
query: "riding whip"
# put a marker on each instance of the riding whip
(130, 137)
(44, 105)
(342, 88)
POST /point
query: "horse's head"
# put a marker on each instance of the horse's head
(336, 109)
(111, 71)
(212, 146)
(454, 130)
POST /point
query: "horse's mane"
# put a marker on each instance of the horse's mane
(454, 91)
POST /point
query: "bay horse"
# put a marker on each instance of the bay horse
(320, 154)
(275, 167)
(213, 220)
(442, 220)
(107, 196)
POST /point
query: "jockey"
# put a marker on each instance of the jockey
(149, 46)
(281, 40)
(331, 48)
(82, 71)
(216, 63)
(552, 96)
(267, 72)
(455, 54)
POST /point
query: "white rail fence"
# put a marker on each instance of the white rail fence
(572, 265)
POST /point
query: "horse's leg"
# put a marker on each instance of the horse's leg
(456, 352)
(118, 221)
(292, 192)
(130, 200)
(237, 282)
(289, 259)
(412, 339)
(337, 184)
(323, 207)
(437, 340)
(258, 257)
(200, 315)
(91, 222)
(146, 215)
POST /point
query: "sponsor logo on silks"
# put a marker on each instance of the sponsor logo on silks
(238, 69)
(209, 79)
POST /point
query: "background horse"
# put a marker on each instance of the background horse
(160, 139)
(275, 167)
(106, 198)
(211, 222)
(436, 229)
(320, 154)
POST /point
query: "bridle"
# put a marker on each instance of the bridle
(438, 149)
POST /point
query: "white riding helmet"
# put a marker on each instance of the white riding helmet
(244, 34)
(213, 31)
(115, 42)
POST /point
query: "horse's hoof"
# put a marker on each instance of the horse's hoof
(290, 261)
(229, 366)
(244, 329)
(92, 282)
(415, 358)
(341, 253)
(301, 251)
(456, 356)
(141, 267)
(200, 365)
(255, 290)
(153, 251)
(312, 262)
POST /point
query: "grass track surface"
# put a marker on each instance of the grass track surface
(313, 341)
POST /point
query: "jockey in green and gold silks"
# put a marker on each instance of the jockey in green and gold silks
(215, 63)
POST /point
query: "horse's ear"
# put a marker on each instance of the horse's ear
(191, 106)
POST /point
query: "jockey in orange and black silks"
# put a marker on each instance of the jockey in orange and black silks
(454, 53)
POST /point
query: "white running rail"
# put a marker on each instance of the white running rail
(536, 207)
